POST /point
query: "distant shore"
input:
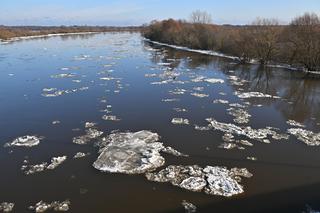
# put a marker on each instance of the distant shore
(14, 33)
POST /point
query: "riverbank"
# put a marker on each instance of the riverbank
(237, 59)
(12, 33)
(264, 41)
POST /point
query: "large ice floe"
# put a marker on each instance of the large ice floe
(6, 207)
(25, 141)
(58, 206)
(32, 169)
(211, 180)
(131, 153)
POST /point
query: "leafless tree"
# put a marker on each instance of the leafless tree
(304, 36)
(200, 17)
(264, 37)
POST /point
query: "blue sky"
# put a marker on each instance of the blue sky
(136, 12)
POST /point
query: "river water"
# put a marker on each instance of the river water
(145, 86)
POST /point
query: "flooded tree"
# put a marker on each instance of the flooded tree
(264, 35)
(304, 38)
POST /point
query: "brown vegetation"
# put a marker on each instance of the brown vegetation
(264, 40)
(7, 32)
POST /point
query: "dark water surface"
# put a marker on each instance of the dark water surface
(286, 174)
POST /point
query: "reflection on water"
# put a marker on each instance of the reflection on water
(75, 89)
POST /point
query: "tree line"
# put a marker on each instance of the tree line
(263, 40)
(8, 32)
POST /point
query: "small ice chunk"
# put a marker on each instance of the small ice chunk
(56, 161)
(189, 207)
(42, 206)
(180, 121)
(295, 123)
(80, 155)
(199, 95)
(110, 118)
(214, 80)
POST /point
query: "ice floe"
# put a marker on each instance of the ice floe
(91, 134)
(131, 152)
(241, 115)
(253, 95)
(32, 169)
(180, 121)
(110, 118)
(188, 207)
(214, 80)
(295, 123)
(199, 95)
(211, 180)
(6, 207)
(25, 141)
(42, 206)
(80, 155)
(255, 134)
(306, 136)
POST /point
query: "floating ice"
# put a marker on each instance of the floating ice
(202, 128)
(241, 115)
(131, 153)
(199, 95)
(149, 75)
(177, 91)
(180, 109)
(211, 180)
(6, 207)
(110, 118)
(214, 80)
(170, 100)
(89, 124)
(308, 137)
(254, 95)
(172, 151)
(91, 133)
(55, 122)
(25, 141)
(56, 161)
(80, 155)
(188, 207)
(180, 121)
(199, 89)
(32, 169)
(220, 101)
(255, 134)
(295, 123)
(55, 206)
(64, 75)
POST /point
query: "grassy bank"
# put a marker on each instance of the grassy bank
(264, 40)
(9, 32)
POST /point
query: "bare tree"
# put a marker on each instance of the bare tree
(265, 34)
(200, 17)
(304, 36)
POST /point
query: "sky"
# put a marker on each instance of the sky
(137, 12)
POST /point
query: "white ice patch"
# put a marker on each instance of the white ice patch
(25, 141)
(211, 180)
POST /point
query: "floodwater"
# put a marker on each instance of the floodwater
(144, 84)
